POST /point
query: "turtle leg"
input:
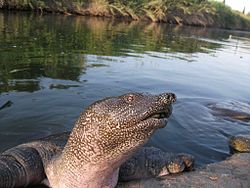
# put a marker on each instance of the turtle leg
(150, 162)
(180, 162)
(20, 166)
(24, 164)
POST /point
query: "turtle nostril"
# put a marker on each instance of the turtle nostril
(172, 97)
(167, 98)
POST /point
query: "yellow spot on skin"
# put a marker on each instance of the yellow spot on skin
(164, 171)
(213, 178)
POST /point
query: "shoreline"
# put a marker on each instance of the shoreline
(214, 15)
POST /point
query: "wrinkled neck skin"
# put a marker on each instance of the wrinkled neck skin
(62, 173)
(89, 176)
(70, 171)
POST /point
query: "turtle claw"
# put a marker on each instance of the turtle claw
(178, 163)
(188, 161)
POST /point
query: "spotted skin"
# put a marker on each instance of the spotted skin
(106, 127)
(106, 134)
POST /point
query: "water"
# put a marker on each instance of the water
(53, 66)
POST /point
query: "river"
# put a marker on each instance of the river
(54, 66)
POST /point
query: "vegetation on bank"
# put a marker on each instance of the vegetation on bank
(185, 12)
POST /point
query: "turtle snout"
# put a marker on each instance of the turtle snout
(167, 98)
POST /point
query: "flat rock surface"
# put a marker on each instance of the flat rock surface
(231, 173)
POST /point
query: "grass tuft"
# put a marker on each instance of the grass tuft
(208, 13)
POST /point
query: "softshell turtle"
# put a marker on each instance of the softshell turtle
(106, 135)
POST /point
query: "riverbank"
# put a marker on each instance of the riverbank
(184, 12)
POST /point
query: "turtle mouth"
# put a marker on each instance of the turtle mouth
(160, 115)
(159, 118)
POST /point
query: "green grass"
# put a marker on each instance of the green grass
(208, 13)
(227, 18)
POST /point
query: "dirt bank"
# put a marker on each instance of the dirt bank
(184, 12)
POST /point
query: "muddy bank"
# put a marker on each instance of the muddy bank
(185, 12)
(231, 173)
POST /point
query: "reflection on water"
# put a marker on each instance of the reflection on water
(53, 66)
(55, 46)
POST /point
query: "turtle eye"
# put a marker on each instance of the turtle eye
(129, 98)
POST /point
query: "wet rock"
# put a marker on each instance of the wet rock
(240, 143)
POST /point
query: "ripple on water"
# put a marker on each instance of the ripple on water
(53, 66)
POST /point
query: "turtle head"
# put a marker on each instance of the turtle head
(115, 127)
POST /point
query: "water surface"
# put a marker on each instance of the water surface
(54, 66)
